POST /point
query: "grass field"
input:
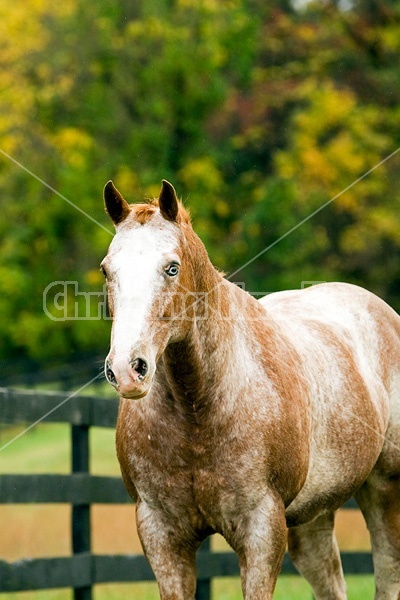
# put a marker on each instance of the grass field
(43, 530)
(288, 588)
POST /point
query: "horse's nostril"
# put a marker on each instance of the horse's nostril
(110, 375)
(140, 366)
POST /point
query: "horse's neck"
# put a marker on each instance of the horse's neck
(215, 360)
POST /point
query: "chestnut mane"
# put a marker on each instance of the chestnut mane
(143, 212)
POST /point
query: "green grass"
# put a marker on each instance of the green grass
(293, 588)
(43, 449)
(46, 449)
(288, 588)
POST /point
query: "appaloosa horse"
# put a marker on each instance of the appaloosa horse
(253, 419)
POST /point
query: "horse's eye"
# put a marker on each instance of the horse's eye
(172, 270)
(102, 269)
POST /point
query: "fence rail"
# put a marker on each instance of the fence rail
(77, 488)
(87, 569)
(80, 489)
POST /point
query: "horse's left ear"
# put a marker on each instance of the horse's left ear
(116, 206)
(168, 201)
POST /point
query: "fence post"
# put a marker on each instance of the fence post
(203, 590)
(81, 541)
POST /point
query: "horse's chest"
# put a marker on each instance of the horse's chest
(221, 497)
(201, 480)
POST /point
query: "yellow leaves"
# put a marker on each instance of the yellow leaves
(202, 173)
(384, 221)
(203, 177)
(73, 145)
(343, 152)
(354, 239)
(154, 27)
(23, 79)
(21, 31)
(390, 37)
(94, 278)
(222, 208)
(209, 5)
(317, 167)
(307, 32)
(12, 279)
(327, 106)
(22, 28)
(153, 190)
(333, 141)
(126, 179)
(374, 225)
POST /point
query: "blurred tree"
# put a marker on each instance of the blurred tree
(260, 112)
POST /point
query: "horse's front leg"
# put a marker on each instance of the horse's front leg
(260, 542)
(172, 559)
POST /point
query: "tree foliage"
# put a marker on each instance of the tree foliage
(260, 113)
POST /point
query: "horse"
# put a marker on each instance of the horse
(256, 419)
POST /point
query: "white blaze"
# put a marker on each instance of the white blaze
(137, 258)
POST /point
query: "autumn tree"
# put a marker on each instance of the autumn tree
(260, 113)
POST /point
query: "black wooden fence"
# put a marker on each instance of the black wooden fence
(83, 569)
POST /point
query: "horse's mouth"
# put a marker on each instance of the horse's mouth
(135, 393)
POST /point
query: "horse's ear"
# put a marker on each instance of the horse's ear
(116, 206)
(168, 201)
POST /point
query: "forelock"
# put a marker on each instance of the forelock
(142, 213)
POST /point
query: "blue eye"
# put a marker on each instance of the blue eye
(172, 270)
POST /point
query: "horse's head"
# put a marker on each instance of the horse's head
(149, 280)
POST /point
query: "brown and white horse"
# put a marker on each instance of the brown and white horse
(254, 419)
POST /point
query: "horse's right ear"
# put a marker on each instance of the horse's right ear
(168, 201)
(116, 206)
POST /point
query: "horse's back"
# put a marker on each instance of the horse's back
(348, 344)
(340, 312)
(334, 303)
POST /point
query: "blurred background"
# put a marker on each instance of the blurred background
(258, 112)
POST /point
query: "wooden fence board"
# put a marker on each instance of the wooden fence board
(357, 563)
(28, 406)
(85, 569)
(121, 568)
(45, 573)
(76, 489)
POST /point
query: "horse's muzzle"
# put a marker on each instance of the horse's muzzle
(131, 378)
